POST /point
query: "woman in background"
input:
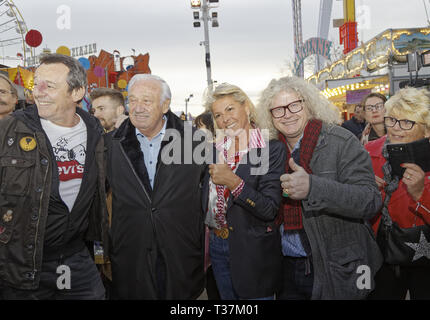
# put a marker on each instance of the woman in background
(204, 122)
(374, 110)
(406, 198)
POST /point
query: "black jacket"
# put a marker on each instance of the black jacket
(354, 126)
(165, 221)
(254, 239)
(29, 190)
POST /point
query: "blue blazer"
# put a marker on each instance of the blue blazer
(254, 239)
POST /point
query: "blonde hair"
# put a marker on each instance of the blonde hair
(410, 103)
(316, 104)
(229, 90)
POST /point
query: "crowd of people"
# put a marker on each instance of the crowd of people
(274, 201)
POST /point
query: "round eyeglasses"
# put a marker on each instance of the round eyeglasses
(293, 107)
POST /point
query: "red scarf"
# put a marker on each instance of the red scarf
(290, 211)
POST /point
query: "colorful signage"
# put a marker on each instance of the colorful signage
(84, 50)
(356, 96)
(74, 52)
(312, 46)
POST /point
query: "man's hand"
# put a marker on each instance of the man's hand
(296, 185)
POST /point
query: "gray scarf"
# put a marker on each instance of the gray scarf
(392, 185)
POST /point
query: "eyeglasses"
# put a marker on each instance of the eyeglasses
(293, 107)
(4, 92)
(374, 107)
(404, 124)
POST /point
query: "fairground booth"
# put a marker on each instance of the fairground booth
(391, 60)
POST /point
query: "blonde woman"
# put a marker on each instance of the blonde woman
(406, 199)
(241, 196)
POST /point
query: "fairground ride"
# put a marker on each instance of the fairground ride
(13, 48)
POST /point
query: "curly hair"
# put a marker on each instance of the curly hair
(229, 90)
(316, 104)
(410, 103)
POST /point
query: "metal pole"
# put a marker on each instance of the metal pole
(107, 77)
(186, 105)
(326, 7)
(298, 36)
(205, 16)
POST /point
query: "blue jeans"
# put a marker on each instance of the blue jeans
(220, 259)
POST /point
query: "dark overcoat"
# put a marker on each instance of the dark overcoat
(166, 220)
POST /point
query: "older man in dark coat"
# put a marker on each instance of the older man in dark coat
(157, 232)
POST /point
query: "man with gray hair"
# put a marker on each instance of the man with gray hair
(8, 96)
(52, 192)
(157, 232)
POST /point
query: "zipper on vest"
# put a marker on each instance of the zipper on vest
(48, 168)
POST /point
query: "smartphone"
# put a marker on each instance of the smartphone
(417, 152)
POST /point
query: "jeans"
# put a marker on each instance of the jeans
(220, 259)
(85, 281)
(298, 279)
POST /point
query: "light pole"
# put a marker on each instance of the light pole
(204, 6)
(186, 106)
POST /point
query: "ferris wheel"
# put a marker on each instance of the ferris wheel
(13, 48)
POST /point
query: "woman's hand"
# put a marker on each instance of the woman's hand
(221, 174)
(413, 178)
(380, 182)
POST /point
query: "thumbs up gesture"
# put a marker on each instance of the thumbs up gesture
(296, 184)
(221, 174)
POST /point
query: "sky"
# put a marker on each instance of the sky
(251, 46)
